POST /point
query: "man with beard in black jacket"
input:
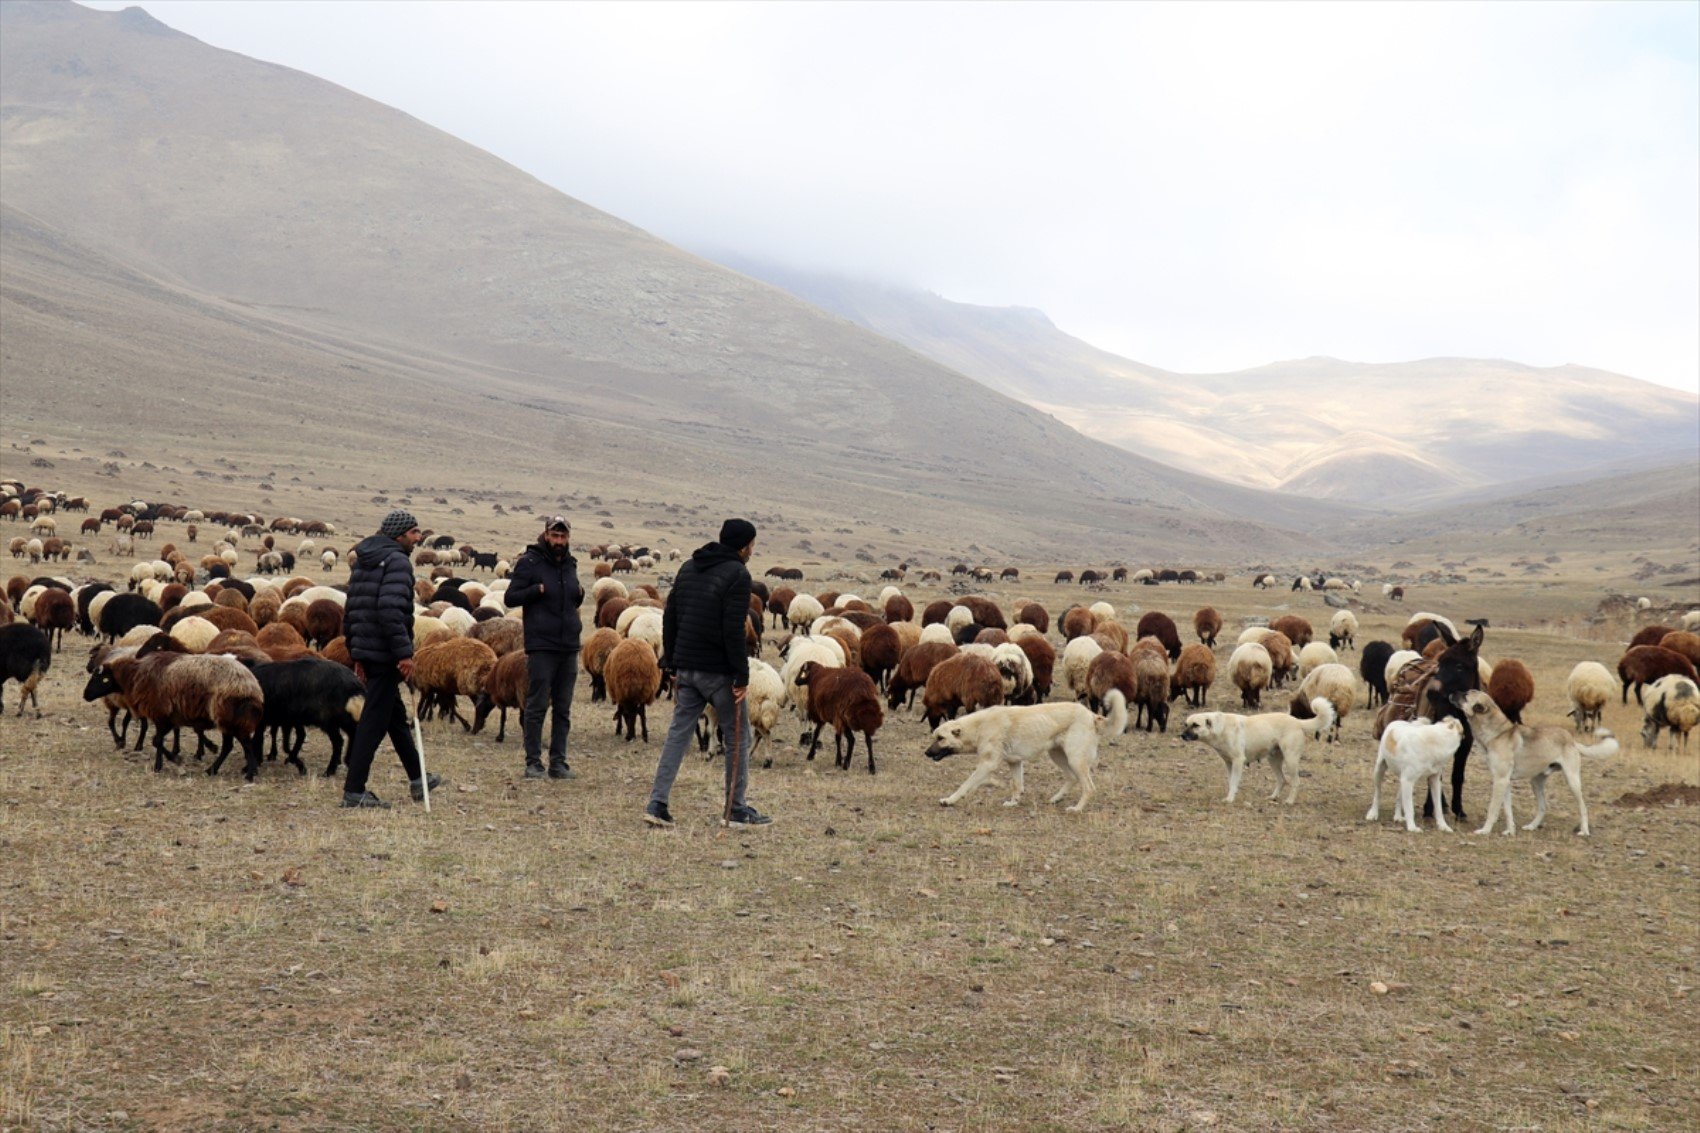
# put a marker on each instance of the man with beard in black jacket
(545, 583)
(702, 633)
(378, 624)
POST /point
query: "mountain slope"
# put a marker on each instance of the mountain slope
(212, 196)
(1318, 427)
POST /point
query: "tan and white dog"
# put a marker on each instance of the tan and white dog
(1008, 736)
(1523, 751)
(1419, 752)
(1275, 736)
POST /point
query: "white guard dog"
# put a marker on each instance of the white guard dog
(1275, 736)
(1420, 752)
(1523, 751)
(1010, 736)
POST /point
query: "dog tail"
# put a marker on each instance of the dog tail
(1606, 748)
(1117, 704)
(1323, 710)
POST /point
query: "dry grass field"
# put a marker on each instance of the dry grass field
(186, 953)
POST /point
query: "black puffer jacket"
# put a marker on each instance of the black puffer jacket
(378, 618)
(703, 626)
(549, 590)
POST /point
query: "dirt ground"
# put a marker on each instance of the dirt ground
(190, 953)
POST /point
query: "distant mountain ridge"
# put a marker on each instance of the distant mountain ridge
(1388, 435)
(375, 261)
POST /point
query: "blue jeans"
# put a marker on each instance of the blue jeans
(693, 692)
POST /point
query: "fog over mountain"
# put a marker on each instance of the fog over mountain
(1400, 435)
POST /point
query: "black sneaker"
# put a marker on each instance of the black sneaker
(364, 800)
(657, 814)
(533, 770)
(746, 816)
(418, 789)
(562, 771)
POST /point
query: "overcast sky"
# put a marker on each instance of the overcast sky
(1198, 186)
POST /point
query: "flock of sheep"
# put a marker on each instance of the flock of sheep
(190, 645)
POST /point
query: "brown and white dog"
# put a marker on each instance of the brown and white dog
(1523, 751)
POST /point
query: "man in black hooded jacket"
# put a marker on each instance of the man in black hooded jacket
(702, 633)
(545, 584)
(378, 624)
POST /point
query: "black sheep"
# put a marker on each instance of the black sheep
(310, 692)
(25, 656)
(124, 612)
(1372, 664)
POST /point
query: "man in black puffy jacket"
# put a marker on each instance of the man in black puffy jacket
(378, 624)
(702, 633)
(545, 584)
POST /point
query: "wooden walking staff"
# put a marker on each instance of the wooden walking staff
(419, 746)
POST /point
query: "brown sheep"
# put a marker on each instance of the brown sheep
(1207, 623)
(850, 642)
(1297, 629)
(1512, 687)
(992, 637)
(914, 666)
(963, 683)
(936, 611)
(882, 648)
(1151, 688)
(1650, 635)
(262, 607)
(1250, 666)
(1194, 673)
(226, 618)
(779, 602)
(1644, 664)
(1687, 644)
(338, 651)
(233, 599)
(899, 609)
(447, 670)
(55, 612)
(1111, 634)
(594, 657)
(1155, 623)
(324, 621)
(985, 611)
(1078, 621)
(1282, 662)
(279, 640)
(1042, 655)
(1034, 615)
(504, 635)
(632, 678)
(1110, 671)
(846, 699)
(504, 688)
(608, 614)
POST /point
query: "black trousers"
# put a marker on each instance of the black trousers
(550, 678)
(383, 714)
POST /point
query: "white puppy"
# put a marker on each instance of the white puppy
(1420, 752)
(1275, 736)
(1010, 735)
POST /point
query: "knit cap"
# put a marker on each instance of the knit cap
(737, 534)
(398, 522)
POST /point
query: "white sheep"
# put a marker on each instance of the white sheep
(1334, 683)
(605, 588)
(1315, 655)
(1103, 611)
(1590, 687)
(327, 560)
(800, 652)
(1673, 702)
(888, 594)
(314, 593)
(1691, 620)
(1250, 667)
(1343, 629)
(1016, 670)
(958, 617)
(623, 624)
(458, 620)
(647, 629)
(804, 609)
(195, 600)
(1447, 622)
(938, 631)
(194, 634)
(1398, 661)
(1076, 660)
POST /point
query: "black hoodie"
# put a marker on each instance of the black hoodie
(703, 626)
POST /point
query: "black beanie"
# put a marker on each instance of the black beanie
(737, 534)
